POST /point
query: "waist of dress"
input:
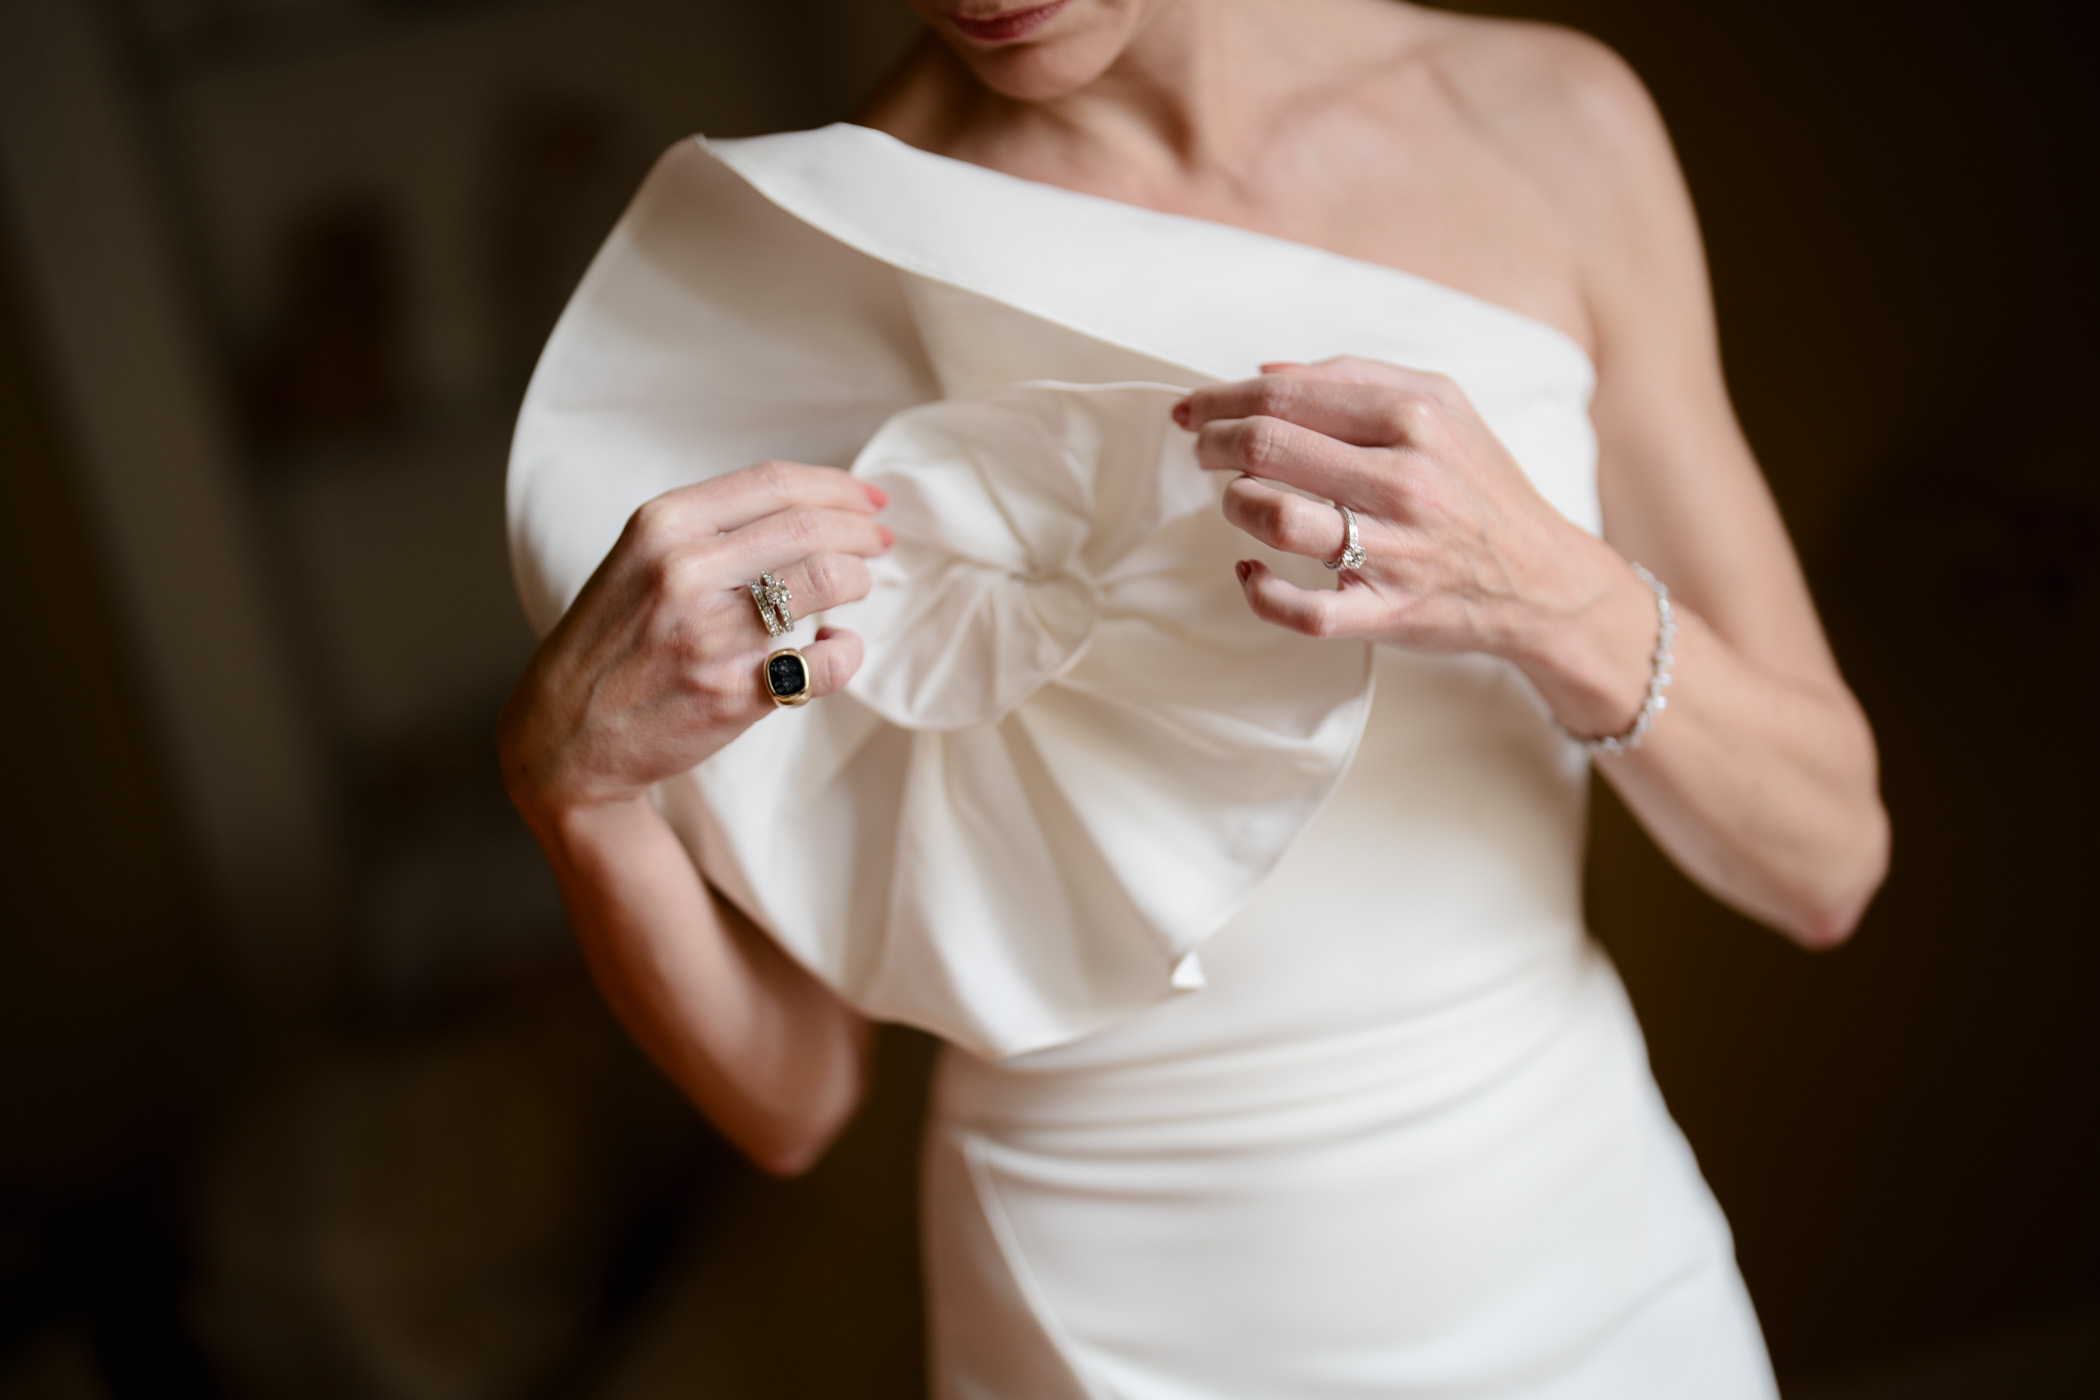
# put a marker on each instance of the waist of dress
(1282, 1091)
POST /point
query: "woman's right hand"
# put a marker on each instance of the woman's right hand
(659, 662)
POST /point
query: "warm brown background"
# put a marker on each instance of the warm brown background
(388, 1147)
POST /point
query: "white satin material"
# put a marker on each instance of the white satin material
(1284, 1067)
(1109, 751)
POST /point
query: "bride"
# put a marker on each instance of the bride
(1245, 890)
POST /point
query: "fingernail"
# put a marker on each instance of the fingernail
(1244, 569)
(876, 495)
(824, 634)
(1181, 413)
(889, 536)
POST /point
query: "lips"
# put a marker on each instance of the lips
(1007, 25)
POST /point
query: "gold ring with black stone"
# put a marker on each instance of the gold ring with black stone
(788, 678)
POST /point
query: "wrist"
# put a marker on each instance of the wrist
(543, 750)
(552, 803)
(1590, 652)
(582, 834)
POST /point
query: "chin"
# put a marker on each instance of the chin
(1068, 48)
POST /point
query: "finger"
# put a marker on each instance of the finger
(1364, 414)
(1275, 450)
(743, 497)
(788, 536)
(1353, 369)
(833, 659)
(815, 584)
(1285, 521)
(736, 499)
(1340, 612)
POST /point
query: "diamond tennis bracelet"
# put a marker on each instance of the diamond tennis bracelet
(1658, 678)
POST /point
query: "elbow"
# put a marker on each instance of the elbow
(1828, 918)
(787, 1150)
(793, 1138)
(788, 1160)
(1823, 930)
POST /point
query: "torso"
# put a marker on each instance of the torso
(1428, 142)
(1406, 1140)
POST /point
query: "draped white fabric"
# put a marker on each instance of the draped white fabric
(1286, 1067)
(1072, 753)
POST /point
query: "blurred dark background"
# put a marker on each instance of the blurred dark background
(302, 1091)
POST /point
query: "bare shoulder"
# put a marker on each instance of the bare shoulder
(1518, 68)
(1559, 106)
(1567, 121)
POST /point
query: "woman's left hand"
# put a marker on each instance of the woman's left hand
(1461, 552)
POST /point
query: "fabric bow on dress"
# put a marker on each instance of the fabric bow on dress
(1072, 751)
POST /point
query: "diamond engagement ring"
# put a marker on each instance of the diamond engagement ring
(1352, 555)
(772, 597)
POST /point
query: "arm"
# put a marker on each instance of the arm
(773, 1059)
(653, 669)
(1763, 786)
(1760, 778)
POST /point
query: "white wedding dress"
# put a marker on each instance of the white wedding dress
(1281, 1064)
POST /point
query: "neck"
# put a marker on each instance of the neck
(1189, 93)
(1164, 96)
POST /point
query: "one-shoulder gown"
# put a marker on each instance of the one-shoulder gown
(1280, 1062)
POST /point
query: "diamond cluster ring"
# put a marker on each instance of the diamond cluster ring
(1352, 555)
(772, 597)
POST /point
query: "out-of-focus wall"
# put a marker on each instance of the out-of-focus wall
(347, 1121)
(305, 1093)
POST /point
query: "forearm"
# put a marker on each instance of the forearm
(656, 665)
(770, 1055)
(1763, 789)
(1760, 785)
(1760, 778)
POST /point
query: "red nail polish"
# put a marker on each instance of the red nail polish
(1181, 413)
(1245, 568)
(877, 495)
(889, 536)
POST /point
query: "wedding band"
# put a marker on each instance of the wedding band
(788, 678)
(772, 597)
(1352, 556)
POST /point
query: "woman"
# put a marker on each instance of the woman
(1285, 1066)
